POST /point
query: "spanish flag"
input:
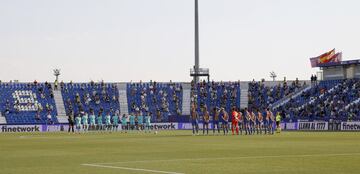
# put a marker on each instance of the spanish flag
(326, 57)
(323, 58)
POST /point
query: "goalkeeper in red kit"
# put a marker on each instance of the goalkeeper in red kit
(235, 121)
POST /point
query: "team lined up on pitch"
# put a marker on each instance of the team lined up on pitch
(124, 123)
(241, 121)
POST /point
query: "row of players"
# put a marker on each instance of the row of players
(84, 122)
(243, 120)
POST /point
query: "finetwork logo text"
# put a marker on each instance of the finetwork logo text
(20, 129)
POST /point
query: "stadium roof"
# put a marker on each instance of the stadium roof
(347, 62)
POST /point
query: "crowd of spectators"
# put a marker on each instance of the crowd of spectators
(353, 110)
(158, 99)
(262, 96)
(334, 100)
(215, 94)
(100, 98)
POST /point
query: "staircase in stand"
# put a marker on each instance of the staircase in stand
(244, 94)
(186, 98)
(60, 107)
(124, 107)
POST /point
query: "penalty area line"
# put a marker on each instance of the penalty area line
(128, 168)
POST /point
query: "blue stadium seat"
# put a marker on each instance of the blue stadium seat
(19, 103)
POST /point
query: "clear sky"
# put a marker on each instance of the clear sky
(123, 40)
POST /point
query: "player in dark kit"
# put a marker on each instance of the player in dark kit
(268, 121)
(216, 113)
(241, 121)
(259, 122)
(71, 121)
(206, 121)
(272, 122)
(247, 121)
(225, 119)
(252, 122)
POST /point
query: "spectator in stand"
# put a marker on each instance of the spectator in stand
(158, 115)
(62, 85)
(56, 83)
(51, 94)
(37, 116)
(297, 82)
(17, 106)
(49, 118)
(7, 107)
(312, 80)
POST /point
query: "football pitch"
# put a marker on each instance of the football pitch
(177, 152)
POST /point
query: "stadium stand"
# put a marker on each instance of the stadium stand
(31, 103)
(332, 99)
(27, 103)
(160, 99)
(216, 94)
(80, 97)
(262, 96)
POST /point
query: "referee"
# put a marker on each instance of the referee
(278, 120)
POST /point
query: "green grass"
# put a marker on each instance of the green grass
(178, 151)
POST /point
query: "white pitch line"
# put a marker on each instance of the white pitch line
(42, 137)
(133, 169)
(241, 157)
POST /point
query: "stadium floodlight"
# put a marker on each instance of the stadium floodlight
(273, 75)
(57, 73)
(196, 67)
(197, 72)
